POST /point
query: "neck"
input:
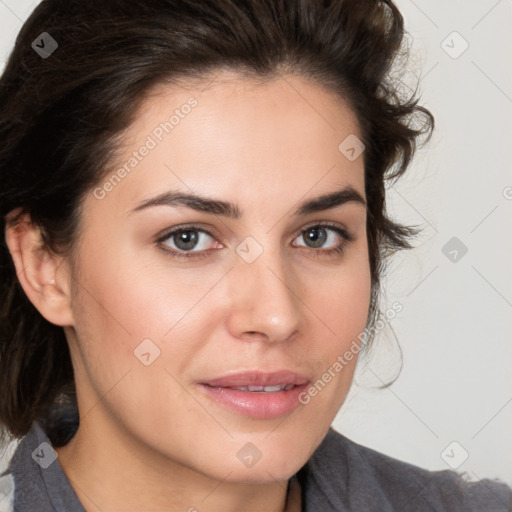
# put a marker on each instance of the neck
(111, 470)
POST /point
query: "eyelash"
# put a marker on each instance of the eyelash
(339, 249)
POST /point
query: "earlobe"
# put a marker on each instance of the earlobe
(43, 275)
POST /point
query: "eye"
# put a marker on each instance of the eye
(325, 237)
(191, 240)
(195, 242)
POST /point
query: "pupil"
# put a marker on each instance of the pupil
(316, 236)
(186, 239)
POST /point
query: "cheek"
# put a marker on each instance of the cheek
(123, 301)
(341, 297)
(341, 301)
(344, 303)
(118, 321)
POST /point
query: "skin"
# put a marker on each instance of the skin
(266, 147)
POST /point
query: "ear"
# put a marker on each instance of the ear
(44, 276)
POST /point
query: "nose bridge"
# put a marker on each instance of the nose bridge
(264, 299)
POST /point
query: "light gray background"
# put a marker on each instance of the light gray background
(454, 395)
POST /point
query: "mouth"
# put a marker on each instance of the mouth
(264, 389)
(258, 379)
(257, 394)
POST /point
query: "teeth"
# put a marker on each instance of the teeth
(266, 389)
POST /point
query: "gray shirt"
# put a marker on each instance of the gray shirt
(340, 476)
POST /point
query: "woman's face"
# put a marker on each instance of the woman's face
(251, 288)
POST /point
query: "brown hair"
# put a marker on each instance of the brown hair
(61, 116)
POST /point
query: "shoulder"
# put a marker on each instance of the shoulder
(7, 450)
(32, 479)
(343, 475)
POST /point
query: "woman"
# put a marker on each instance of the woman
(195, 226)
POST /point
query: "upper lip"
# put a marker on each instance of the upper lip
(258, 378)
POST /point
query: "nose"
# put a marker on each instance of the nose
(265, 303)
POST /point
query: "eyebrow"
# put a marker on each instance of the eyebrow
(231, 210)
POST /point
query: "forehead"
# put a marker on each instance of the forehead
(239, 137)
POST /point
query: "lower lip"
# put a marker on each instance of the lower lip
(257, 404)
